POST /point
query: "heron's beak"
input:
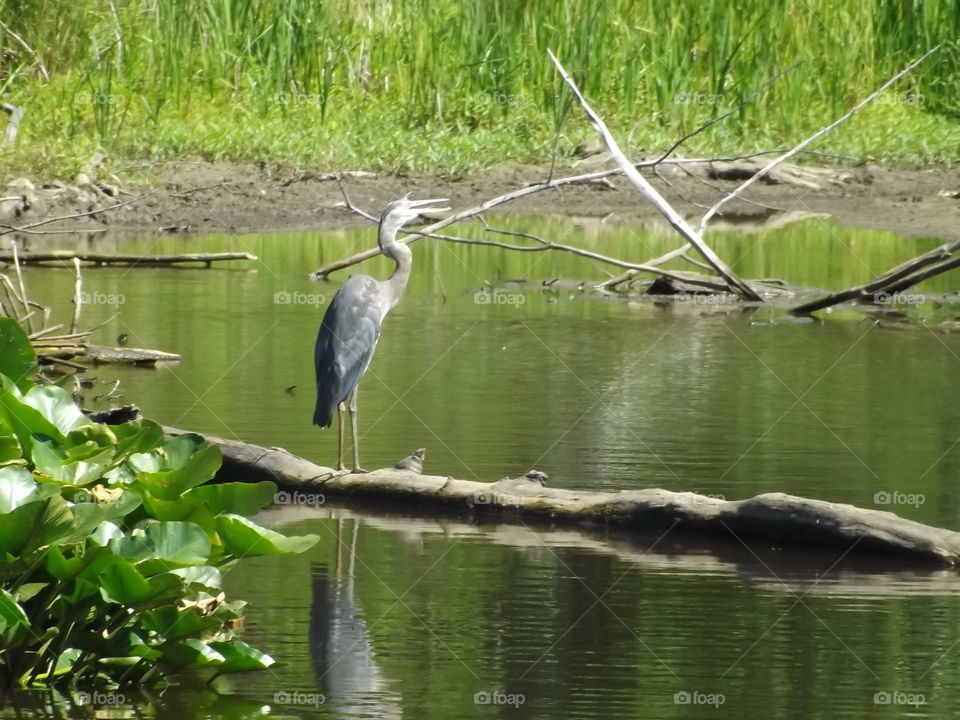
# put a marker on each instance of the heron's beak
(426, 206)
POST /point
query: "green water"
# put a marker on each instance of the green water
(394, 616)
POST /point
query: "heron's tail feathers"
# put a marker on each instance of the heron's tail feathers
(323, 412)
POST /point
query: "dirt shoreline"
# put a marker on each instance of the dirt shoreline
(205, 198)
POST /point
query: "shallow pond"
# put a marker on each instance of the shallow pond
(396, 616)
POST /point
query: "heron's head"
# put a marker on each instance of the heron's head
(400, 212)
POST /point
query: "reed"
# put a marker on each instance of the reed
(271, 79)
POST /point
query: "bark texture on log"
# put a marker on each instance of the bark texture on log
(784, 519)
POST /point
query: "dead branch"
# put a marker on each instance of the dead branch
(323, 272)
(13, 124)
(895, 280)
(544, 244)
(61, 256)
(817, 135)
(7, 229)
(77, 297)
(674, 218)
(25, 46)
(23, 291)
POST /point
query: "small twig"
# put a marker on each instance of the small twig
(23, 290)
(77, 215)
(23, 43)
(820, 133)
(669, 151)
(45, 331)
(77, 296)
(61, 361)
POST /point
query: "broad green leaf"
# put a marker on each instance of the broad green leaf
(180, 542)
(28, 590)
(11, 614)
(90, 515)
(57, 406)
(106, 532)
(65, 661)
(170, 623)
(238, 498)
(17, 359)
(92, 435)
(139, 436)
(174, 543)
(10, 451)
(238, 656)
(35, 525)
(94, 560)
(191, 653)
(244, 538)
(50, 459)
(121, 583)
(206, 576)
(25, 421)
(17, 487)
(182, 472)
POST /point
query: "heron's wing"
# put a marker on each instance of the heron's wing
(345, 343)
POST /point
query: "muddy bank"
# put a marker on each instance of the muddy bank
(210, 198)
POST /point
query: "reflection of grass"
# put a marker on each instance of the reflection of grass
(443, 86)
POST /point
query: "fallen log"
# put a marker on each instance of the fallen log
(61, 256)
(785, 519)
(105, 355)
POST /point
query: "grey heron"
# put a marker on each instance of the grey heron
(351, 325)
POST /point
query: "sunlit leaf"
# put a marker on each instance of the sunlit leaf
(244, 538)
(17, 359)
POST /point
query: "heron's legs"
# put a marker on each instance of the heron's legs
(340, 437)
(353, 431)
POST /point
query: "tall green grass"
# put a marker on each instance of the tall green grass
(447, 85)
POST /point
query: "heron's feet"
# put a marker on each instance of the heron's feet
(359, 471)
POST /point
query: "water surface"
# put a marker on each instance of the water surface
(393, 616)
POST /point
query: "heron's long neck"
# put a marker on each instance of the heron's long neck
(393, 288)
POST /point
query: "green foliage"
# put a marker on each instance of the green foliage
(451, 86)
(111, 546)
